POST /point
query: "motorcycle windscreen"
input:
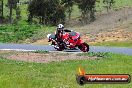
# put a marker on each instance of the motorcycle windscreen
(74, 35)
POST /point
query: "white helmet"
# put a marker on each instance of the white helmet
(60, 26)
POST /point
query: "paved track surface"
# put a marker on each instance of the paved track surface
(29, 47)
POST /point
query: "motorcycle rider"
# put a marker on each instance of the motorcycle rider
(59, 33)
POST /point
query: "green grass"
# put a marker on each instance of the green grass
(98, 54)
(15, 74)
(115, 44)
(118, 4)
(15, 33)
(18, 33)
(41, 51)
(100, 7)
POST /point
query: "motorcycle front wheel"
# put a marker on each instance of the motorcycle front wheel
(59, 47)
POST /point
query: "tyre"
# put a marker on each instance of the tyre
(60, 47)
(84, 47)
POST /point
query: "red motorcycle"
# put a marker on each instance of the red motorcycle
(68, 40)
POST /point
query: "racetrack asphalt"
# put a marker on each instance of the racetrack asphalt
(31, 47)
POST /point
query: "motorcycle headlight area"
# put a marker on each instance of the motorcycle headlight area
(48, 36)
(52, 36)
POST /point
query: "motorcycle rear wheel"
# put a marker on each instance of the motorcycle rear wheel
(84, 47)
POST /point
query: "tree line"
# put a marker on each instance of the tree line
(52, 12)
(12, 5)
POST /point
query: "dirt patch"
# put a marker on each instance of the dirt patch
(116, 35)
(45, 57)
(104, 22)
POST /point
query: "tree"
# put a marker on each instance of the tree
(1, 10)
(87, 8)
(48, 11)
(12, 4)
(108, 4)
(18, 13)
(68, 4)
(59, 15)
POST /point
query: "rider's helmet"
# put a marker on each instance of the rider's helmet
(60, 27)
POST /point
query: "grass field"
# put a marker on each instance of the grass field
(100, 7)
(118, 4)
(15, 74)
(115, 44)
(18, 33)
